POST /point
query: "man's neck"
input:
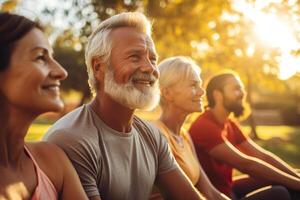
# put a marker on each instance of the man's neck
(220, 113)
(113, 114)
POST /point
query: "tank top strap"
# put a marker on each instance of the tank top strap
(45, 188)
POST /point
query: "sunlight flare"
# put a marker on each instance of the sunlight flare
(288, 66)
(273, 31)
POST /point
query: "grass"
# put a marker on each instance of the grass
(36, 132)
(284, 141)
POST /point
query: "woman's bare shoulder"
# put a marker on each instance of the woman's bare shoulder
(51, 159)
(46, 151)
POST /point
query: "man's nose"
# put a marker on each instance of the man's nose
(151, 68)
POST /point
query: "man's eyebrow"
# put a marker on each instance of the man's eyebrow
(141, 50)
(134, 51)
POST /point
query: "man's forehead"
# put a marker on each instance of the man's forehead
(128, 34)
(130, 38)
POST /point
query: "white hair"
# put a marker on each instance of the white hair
(100, 45)
(174, 69)
(128, 95)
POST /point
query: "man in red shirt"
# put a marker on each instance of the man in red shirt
(221, 146)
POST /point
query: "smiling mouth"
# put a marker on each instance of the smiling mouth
(144, 82)
(144, 79)
(51, 87)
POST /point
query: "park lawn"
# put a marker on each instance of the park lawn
(284, 141)
(36, 132)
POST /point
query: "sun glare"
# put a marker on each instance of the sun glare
(289, 65)
(274, 32)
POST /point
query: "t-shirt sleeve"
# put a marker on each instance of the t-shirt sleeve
(207, 135)
(83, 159)
(166, 160)
(239, 135)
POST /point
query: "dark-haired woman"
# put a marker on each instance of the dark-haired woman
(29, 86)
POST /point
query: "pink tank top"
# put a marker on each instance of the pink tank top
(44, 190)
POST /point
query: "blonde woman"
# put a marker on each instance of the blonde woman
(181, 95)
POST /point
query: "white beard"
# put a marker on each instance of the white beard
(128, 95)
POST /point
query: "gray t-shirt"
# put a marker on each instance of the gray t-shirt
(111, 164)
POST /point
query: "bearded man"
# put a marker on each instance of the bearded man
(116, 154)
(221, 146)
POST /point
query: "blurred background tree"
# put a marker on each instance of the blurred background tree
(258, 39)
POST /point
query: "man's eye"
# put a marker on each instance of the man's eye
(134, 57)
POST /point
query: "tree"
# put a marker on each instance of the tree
(72, 61)
(212, 32)
(8, 5)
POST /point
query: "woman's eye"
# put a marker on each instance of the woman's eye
(153, 60)
(41, 58)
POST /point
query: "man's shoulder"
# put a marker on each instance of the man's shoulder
(233, 122)
(74, 123)
(145, 126)
(147, 130)
(204, 120)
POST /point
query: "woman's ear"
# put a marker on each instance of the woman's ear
(167, 93)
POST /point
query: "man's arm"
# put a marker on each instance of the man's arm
(255, 167)
(81, 159)
(250, 148)
(72, 188)
(175, 185)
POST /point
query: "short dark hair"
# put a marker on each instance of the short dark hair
(217, 82)
(13, 28)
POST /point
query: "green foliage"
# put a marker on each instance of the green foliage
(73, 62)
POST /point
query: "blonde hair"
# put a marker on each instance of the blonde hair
(100, 45)
(175, 69)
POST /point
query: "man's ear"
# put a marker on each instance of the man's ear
(98, 69)
(217, 95)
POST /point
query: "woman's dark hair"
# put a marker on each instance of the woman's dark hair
(12, 28)
(216, 83)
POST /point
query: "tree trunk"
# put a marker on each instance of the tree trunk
(253, 133)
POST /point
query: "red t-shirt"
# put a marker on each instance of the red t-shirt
(207, 133)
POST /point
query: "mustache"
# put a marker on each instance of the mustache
(144, 76)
